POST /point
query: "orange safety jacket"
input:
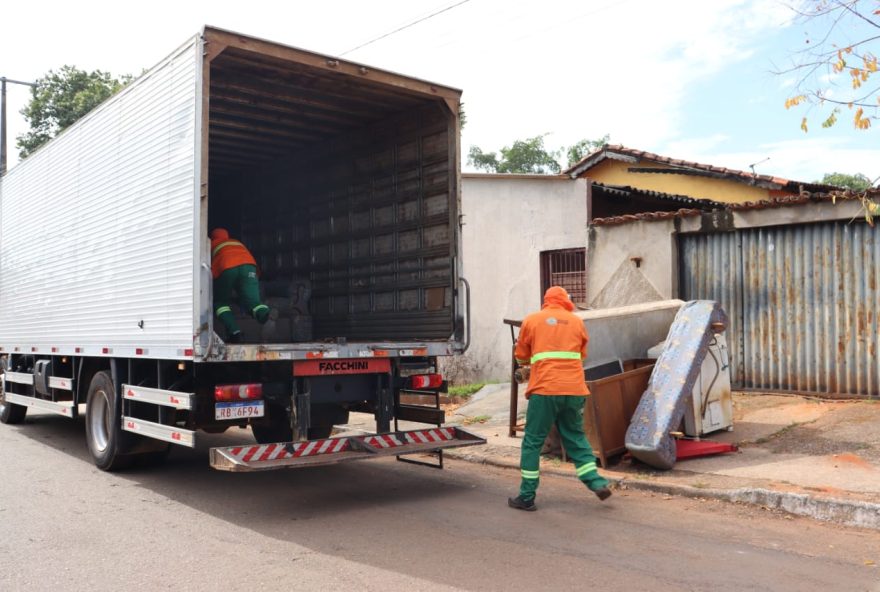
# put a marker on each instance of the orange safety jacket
(227, 253)
(554, 343)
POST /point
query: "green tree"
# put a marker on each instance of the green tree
(838, 68)
(580, 149)
(59, 99)
(523, 156)
(531, 156)
(857, 182)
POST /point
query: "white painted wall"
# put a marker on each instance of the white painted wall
(614, 278)
(508, 221)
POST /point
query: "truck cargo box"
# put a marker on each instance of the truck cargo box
(340, 178)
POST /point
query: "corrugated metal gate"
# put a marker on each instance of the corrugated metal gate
(802, 302)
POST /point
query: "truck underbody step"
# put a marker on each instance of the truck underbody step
(58, 382)
(333, 450)
(158, 431)
(64, 408)
(145, 394)
(19, 378)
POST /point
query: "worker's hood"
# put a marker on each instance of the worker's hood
(219, 234)
(556, 296)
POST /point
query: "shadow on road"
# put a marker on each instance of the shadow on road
(371, 512)
(453, 528)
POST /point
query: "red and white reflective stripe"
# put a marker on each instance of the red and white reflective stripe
(415, 437)
(265, 452)
(269, 452)
(314, 355)
(383, 441)
(435, 435)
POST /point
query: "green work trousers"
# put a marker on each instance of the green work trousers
(567, 412)
(241, 280)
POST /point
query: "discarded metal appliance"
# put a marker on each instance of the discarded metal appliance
(661, 409)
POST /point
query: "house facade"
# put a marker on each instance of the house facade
(519, 232)
(619, 166)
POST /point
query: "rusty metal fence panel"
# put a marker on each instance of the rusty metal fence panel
(712, 270)
(802, 302)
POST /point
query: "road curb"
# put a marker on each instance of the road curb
(850, 513)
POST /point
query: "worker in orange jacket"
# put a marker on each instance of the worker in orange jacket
(235, 271)
(553, 343)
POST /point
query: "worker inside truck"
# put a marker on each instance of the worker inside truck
(235, 274)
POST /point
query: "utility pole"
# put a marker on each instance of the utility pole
(3, 81)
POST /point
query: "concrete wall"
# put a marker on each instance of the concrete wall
(631, 263)
(615, 278)
(508, 220)
(822, 211)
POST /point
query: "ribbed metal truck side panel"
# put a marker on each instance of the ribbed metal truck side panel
(97, 228)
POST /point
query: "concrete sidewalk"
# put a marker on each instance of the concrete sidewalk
(806, 456)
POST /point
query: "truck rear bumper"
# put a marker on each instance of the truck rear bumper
(284, 455)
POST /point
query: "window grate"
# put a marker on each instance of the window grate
(566, 268)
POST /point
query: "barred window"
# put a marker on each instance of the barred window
(566, 268)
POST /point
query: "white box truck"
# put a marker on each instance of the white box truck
(342, 179)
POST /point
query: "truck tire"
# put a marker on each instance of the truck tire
(10, 413)
(274, 428)
(104, 434)
(324, 417)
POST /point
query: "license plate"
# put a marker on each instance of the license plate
(239, 410)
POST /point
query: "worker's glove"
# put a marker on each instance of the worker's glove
(522, 374)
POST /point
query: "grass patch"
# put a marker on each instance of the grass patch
(477, 419)
(700, 485)
(464, 391)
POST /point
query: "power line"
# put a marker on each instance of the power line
(415, 22)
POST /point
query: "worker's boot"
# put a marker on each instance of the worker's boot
(263, 313)
(603, 493)
(597, 484)
(522, 504)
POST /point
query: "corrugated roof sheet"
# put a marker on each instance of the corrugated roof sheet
(627, 191)
(793, 200)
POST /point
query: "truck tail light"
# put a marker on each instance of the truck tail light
(425, 381)
(238, 392)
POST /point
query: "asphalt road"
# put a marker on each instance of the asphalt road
(380, 525)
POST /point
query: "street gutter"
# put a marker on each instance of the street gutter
(850, 513)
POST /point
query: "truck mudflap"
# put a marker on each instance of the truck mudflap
(285, 455)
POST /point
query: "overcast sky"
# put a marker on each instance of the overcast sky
(688, 79)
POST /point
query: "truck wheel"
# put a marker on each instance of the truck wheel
(324, 417)
(104, 433)
(11, 413)
(274, 428)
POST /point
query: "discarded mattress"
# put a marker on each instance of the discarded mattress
(662, 406)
